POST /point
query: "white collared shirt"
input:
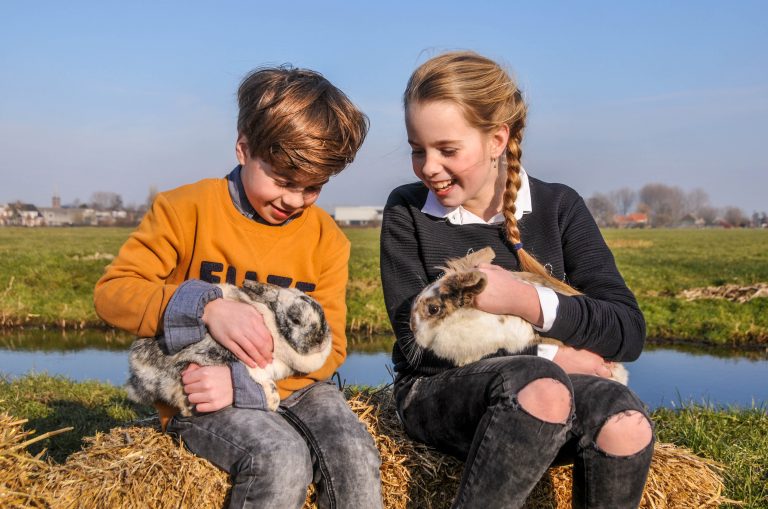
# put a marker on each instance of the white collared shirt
(461, 216)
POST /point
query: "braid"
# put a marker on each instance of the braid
(514, 156)
(514, 152)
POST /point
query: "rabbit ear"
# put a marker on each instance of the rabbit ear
(470, 261)
(259, 292)
(462, 288)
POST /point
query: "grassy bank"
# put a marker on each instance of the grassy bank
(47, 277)
(736, 438)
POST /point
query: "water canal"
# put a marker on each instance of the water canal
(661, 377)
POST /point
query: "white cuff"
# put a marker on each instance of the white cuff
(547, 351)
(549, 304)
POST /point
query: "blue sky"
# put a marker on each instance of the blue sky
(121, 96)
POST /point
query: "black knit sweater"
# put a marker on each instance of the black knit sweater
(559, 232)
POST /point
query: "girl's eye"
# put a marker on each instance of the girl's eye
(433, 309)
(417, 153)
(448, 152)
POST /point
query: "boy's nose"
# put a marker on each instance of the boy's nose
(294, 199)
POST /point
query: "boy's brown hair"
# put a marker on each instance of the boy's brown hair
(297, 121)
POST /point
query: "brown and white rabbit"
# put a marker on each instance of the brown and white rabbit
(445, 320)
(302, 343)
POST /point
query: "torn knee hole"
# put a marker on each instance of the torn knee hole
(546, 399)
(625, 433)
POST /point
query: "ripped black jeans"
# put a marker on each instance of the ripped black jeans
(472, 413)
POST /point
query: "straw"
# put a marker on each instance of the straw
(139, 467)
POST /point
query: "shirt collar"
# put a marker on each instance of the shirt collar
(240, 198)
(460, 215)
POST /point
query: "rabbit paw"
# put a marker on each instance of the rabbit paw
(272, 396)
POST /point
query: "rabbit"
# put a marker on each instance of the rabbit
(302, 343)
(445, 321)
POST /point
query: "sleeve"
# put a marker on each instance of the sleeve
(183, 323)
(133, 292)
(402, 273)
(247, 392)
(549, 303)
(606, 319)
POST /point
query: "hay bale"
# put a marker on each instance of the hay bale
(678, 478)
(731, 292)
(143, 468)
(135, 467)
(19, 470)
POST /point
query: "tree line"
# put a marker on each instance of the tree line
(668, 206)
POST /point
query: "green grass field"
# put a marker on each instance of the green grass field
(47, 277)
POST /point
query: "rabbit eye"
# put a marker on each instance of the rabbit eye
(433, 309)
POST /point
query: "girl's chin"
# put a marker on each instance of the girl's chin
(448, 200)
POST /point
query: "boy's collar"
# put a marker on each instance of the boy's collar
(240, 199)
(459, 215)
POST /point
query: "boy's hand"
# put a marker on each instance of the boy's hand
(239, 328)
(209, 388)
(582, 362)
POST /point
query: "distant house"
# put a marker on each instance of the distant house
(5, 214)
(358, 216)
(722, 223)
(20, 214)
(691, 221)
(60, 216)
(634, 220)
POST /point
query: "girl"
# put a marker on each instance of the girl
(510, 417)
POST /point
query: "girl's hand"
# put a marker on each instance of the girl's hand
(209, 388)
(507, 295)
(582, 362)
(239, 328)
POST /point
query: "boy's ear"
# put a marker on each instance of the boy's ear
(241, 149)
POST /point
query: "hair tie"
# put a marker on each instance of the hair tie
(517, 246)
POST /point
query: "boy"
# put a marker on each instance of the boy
(295, 131)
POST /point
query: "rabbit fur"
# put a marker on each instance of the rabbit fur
(445, 321)
(301, 336)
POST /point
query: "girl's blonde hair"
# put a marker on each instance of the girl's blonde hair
(489, 98)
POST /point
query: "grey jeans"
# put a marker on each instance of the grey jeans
(472, 413)
(273, 456)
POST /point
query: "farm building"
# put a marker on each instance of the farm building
(358, 216)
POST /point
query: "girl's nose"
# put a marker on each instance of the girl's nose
(431, 166)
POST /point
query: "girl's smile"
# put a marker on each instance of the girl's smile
(454, 159)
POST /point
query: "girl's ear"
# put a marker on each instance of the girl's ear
(241, 149)
(498, 140)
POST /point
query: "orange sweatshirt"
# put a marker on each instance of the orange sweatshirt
(195, 232)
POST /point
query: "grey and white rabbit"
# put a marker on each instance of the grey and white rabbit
(302, 343)
(444, 318)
